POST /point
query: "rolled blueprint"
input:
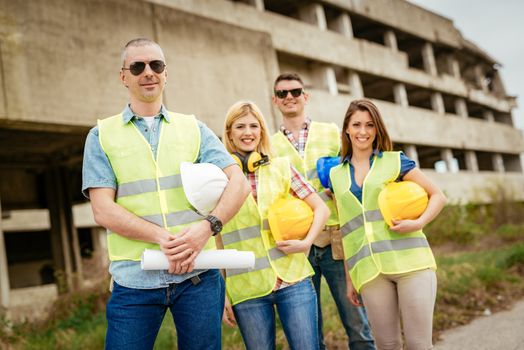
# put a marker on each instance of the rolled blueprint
(207, 259)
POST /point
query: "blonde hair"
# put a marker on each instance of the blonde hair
(238, 110)
(382, 141)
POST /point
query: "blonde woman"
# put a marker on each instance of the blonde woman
(281, 277)
(392, 267)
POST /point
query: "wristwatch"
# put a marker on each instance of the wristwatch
(216, 224)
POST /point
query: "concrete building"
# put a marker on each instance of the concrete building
(441, 96)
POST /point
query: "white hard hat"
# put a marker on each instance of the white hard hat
(203, 185)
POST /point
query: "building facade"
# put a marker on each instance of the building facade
(441, 96)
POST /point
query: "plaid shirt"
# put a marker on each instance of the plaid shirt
(300, 188)
(300, 144)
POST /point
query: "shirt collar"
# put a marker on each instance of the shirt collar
(305, 126)
(375, 152)
(128, 115)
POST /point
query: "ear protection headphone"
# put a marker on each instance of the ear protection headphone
(250, 162)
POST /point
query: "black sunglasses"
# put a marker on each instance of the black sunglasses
(283, 93)
(136, 68)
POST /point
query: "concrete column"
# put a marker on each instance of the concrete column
(461, 109)
(259, 4)
(480, 78)
(447, 157)
(428, 59)
(313, 14)
(489, 116)
(390, 40)
(355, 85)
(64, 236)
(498, 163)
(331, 80)
(411, 152)
(401, 96)
(4, 271)
(453, 66)
(342, 25)
(471, 161)
(437, 103)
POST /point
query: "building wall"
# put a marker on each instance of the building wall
(60, 62)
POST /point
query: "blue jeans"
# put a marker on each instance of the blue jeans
(296, 306)
(134, 316)
(353, 318)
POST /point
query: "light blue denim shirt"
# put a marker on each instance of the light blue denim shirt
(97, 172)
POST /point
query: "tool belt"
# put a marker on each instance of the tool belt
(331, 235)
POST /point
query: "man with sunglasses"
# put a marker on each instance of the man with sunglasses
(131, 174)
(304, 142)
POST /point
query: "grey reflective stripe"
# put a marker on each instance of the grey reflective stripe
(182, 217)
(352, 225)
(148, 185)
(155, 219)
(174, 219)
(260, 264)
(388, 246)
(136, 187)
(265, 224)
(241, 235)
(361, 254)
(373, 215)
(399, 244)
(312, 174)
(172, 181)
(324, 196)
(275, 254)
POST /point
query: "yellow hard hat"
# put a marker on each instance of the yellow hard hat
(402, 201)
(289, 218)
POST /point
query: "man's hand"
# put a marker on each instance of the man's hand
(181, 249)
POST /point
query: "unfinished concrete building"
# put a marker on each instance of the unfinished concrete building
(441, 96)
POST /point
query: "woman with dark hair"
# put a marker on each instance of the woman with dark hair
(393, 268)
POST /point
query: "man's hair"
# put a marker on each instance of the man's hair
(288, 76)
(137, 42)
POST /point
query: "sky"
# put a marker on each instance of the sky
(497, 28)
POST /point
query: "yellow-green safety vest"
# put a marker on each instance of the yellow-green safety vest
(370, 247)
(150, 188)
(249, 230)
(323, 140)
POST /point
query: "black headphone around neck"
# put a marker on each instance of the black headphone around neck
(251, 161)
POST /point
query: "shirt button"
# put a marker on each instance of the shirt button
(154, 129)
(145, 129)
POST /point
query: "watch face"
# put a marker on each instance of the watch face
(216, 224)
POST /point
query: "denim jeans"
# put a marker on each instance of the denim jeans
(353, 318)
(134, 316)
(296, 306)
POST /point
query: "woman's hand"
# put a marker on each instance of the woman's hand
(294, 246)
(228, 317)
(406, 226)
(352, 295)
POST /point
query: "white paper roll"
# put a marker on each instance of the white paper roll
(207, 259)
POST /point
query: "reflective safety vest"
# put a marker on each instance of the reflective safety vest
(249, 230)
(323, 140)
(150, 188)
(370, 247)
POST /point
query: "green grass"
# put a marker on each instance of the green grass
(468, 283)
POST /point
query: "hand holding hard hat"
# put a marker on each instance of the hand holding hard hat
(203, 185)
(404, 200)
(289, 218)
